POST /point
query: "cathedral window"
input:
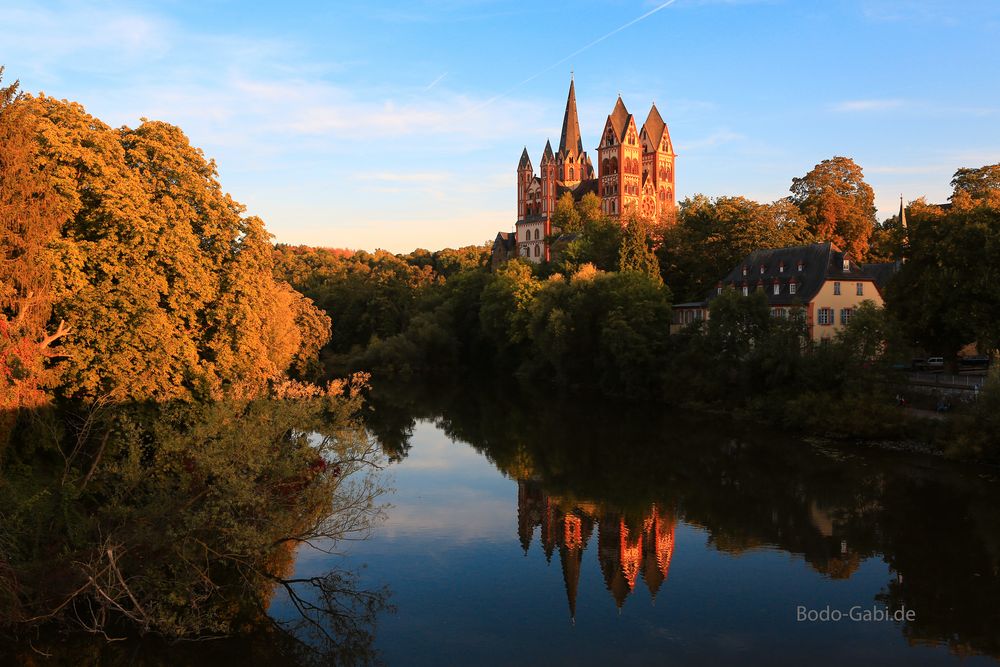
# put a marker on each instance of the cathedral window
(571, 173)
(538, 250)
(536, 234)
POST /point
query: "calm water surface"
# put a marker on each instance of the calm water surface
(536, 537)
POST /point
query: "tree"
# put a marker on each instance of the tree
(636, 253)
(506, 302)
(589, 208)
(167, 285)
(565, 217)
(945, 295)
(30, 215)
(974, 187)
(712, 235)
(838, 204)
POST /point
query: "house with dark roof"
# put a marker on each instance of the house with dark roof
(822, 282)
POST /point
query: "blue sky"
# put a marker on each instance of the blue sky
(399, 124)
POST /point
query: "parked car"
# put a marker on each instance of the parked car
(935, 364)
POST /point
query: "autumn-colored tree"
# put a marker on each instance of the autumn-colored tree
(30, 215)
(837, 203)
(167, 286)
(976, 187)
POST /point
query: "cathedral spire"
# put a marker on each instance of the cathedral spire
(902, 213)
(570, 142)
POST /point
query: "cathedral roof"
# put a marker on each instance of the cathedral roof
(619, 118)
(525, 162)
(654, 126)
(547, 153)
(570, 141)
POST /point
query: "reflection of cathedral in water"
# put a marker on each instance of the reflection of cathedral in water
(626, 550)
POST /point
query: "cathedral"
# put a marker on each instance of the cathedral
(635, 174)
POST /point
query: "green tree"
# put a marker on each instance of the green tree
(506, 304)
(712, 235)
(838, 204)
(566, 217)
(636, 252)
(945, 295)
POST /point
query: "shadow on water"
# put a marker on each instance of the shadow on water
(630, 473)
(167, 534)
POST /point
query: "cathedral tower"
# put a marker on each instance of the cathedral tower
(573, 165)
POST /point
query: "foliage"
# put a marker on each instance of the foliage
(601, 329)
(166, 286)
(30, 215)
(838, 204)
(976, 187)
(712, 235)
(506, 301)
(565, 217)
(636, 252)
(167, 520)
(945, 296)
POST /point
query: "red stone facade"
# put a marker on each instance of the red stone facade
(635, 175)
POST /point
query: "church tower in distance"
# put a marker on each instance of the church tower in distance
(636, 176)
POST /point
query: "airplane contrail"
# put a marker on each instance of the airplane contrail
(600, 39)
(435, 82)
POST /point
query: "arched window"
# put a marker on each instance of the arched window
(536, 234)
(538, 250)
(614, 165)
(604, 166)
(571, 173)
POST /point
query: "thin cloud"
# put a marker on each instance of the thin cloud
(860, 106)
(718, 138)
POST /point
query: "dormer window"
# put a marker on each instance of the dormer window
(777, 288)
(746, 291)
(744, 270)
(762, 267)
(802, 265)
(792, 287)
(847, 265)
(781, 267)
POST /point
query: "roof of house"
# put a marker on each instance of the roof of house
(881, 272)
(810, 266)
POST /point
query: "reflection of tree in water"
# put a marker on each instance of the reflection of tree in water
(748, 487)
(182, 521)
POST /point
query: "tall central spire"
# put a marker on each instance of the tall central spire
(570, 142)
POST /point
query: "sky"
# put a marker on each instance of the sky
(399, 124)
